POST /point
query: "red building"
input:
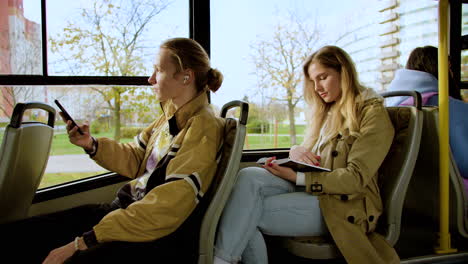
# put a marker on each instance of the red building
(20, 42)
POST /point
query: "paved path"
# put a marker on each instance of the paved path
(72, 163)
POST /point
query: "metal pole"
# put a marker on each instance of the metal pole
(443, 246)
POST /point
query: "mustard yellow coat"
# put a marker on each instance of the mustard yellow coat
(190, 167)
(349, 195)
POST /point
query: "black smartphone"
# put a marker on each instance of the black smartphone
(67, 116)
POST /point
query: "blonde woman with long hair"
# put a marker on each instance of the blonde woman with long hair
(349, 132)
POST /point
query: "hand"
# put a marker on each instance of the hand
(302, 154)
(282, 172)
(85, 141)
(59, 255)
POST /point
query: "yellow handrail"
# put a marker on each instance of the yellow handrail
(444, 245)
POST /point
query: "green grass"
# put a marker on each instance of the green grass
(51, 179)
(284, 129)
(258, 141)
(62, 146)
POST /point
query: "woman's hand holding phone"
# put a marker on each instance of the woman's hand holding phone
(78, 135)
(82, 140)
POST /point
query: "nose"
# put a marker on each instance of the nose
(318, 87)
(152, 78)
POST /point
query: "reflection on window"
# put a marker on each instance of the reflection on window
(110, 38)
(20, 39)
(136, 109)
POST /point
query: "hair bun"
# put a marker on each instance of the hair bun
(214, 79)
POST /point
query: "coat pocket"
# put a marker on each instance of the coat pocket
(372, 214)
(358, 217)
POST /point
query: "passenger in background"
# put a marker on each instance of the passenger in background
(421, 74)
(172, 161)
(350, 133)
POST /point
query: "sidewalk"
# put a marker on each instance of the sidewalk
(72, 163)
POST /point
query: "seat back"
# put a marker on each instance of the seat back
(460, 198)
(423, 192)
(396, 170)
(23, 158)
(225, 178)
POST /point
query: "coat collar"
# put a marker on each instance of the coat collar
(177, 118)
(367, 97)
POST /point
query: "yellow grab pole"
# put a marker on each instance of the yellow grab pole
(444, 234)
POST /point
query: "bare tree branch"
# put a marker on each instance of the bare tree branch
(278, 62)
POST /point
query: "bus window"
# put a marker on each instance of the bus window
(263, 64)
(92, 104)
(464, 53)
(98, 39)
(117, 38)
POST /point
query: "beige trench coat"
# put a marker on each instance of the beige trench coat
(349, 195)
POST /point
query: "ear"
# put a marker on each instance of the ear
(188, 76)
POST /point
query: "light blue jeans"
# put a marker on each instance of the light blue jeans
(264, 203)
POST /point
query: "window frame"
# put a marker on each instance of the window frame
(458, 42)
(199, 30)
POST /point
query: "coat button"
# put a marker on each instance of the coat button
(351, 219)
(334, 153)
(371, 218)
(344, 197)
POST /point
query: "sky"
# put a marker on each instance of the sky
(237, 24)
(234, 28)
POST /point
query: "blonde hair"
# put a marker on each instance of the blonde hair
(341, 114)
(188, 54)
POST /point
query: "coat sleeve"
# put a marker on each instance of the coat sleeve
(167, 206)
(123, 158)
(364, 158)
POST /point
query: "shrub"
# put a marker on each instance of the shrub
(255, 126)
(99, 126)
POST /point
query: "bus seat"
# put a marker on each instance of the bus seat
(423, 192)
(225, 178)
(465, 181)
(460, 191)
(394, 176)
(458, 124)
(23, 158)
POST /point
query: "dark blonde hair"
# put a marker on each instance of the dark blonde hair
(343, 111)
(424, 59)
(188, 54)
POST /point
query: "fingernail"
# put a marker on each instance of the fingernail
(270, 164)
(316, 163)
